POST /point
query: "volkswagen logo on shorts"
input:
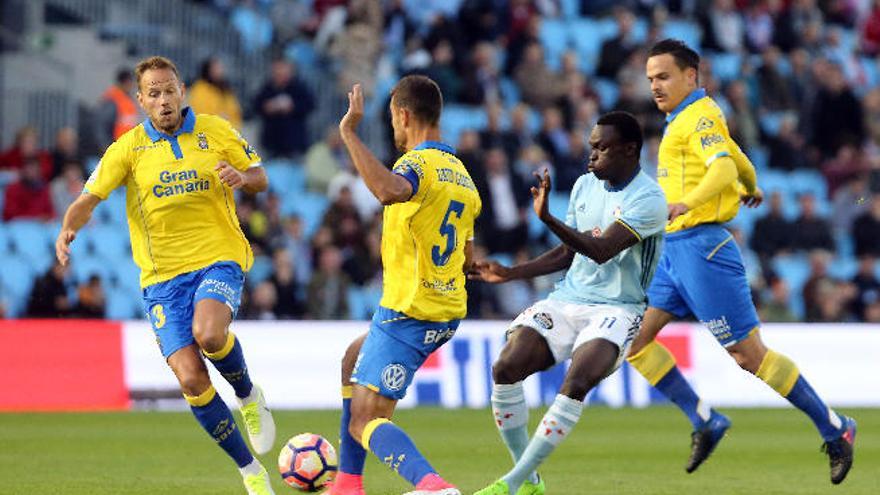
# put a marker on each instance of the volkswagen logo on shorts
(394, 377)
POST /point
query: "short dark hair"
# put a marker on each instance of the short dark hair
(628, 128)
(421, 96)
(684, 56)
(123, 76)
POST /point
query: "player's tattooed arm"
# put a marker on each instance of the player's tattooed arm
(388, 187)
(615, 239)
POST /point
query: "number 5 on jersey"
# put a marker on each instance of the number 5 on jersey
(448, 231)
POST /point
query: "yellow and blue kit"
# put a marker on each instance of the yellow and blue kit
(701, 270)
(423, 256)
(185, 235)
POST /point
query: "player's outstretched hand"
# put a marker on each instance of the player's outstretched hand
(753, 200)
(62, 245)
(540, 195)
(489, 271)
(355, 112)
(229, 175)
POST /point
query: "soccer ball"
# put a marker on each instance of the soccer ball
(307, 462)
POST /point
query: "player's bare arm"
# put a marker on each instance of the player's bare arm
(252, 180)
(388, 187)
(558, 258)
(615, 239)
(76, 216)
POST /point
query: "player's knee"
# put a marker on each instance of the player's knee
(193, 382)
(577, 388)
(209, 337)
(505, 372)
(747, 361)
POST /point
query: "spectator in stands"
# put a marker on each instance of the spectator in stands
(810, 230)
(505, 202)
(442, 70)
(871, 31)
(836, 113)
(26, 150)
(741, 118)
(776, 309)
(295, 244)
(818, 285)
(867, 287)
(328, 289)
(517, 46)
(615, 51)
(871, 109)
(532, 160)
(358, 46)
(724, 28)
(324, 160)
(848, 202)
(631, 99)
(772, 234)
(117, 111)
(213, 94)
(28, 198)
(553, 137)
(263, 302)
(493, 136)
(481, 77)
(759, 22)
(519, 125)
(773, 87)
(866, 229)
(68, 186)
(791, 26)
(570, 167)
(284, 104)
(66, 150)
(786, 148)
(288, 305)
(539, 86)
(398, 27)
(469, 151)
(847, 164)
(482, 299)
(90, 299)
(48, 297)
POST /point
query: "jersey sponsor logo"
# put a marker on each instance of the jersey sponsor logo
(617, 212)
(719, 327)
(394, 377)
(203, 140)
(544, 320)
(183, 182)
(710, 140)
(438, 336)
(146, 147)
(703, 124)
(442, 286)
(662, 172)
(408, 164)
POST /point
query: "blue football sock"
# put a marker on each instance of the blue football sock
(229, 361)
(807, 400)
(676, 388)
(351, 454)
(211, 412)
(395, 449)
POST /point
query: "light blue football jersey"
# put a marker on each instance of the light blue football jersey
(640, 206)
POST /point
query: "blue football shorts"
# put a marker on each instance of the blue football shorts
(395, 348)
(170, 305)
(701, 273)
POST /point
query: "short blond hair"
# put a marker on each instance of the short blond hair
(154, 62)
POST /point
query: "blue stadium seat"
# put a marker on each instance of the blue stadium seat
(109, 242)
(458, 118)
(760, 158)
(92, 163)
(17, 278)
(843, 243)
(771, 122)
(843, 267)
(726, 66)
(871, 71)
(126, 276)
(686, 31)
(285, 177)
(261, 270)
(4, 241)
(570, 9)
(608, 92)
(509, 92)
(809, 181)
(83, 268)
(113, 209)
(554, 39)
(310, 207)
(587, 36)
(255, 30)
(33, 240)
(123, 305)
(795, 270)
(301, 53)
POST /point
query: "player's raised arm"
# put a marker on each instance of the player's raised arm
(615, 239)
(388, 187)
(558, 258)
(77, 215)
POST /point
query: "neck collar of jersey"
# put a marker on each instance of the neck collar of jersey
(189, 124)
(437, 145)
(609, 187)
(695, 95)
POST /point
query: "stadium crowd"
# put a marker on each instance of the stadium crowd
(798, 81)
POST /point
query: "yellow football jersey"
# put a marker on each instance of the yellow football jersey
(696, 135)
(180, 216)
(423, 239)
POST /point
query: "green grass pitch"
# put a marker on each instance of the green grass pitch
(612, 451)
